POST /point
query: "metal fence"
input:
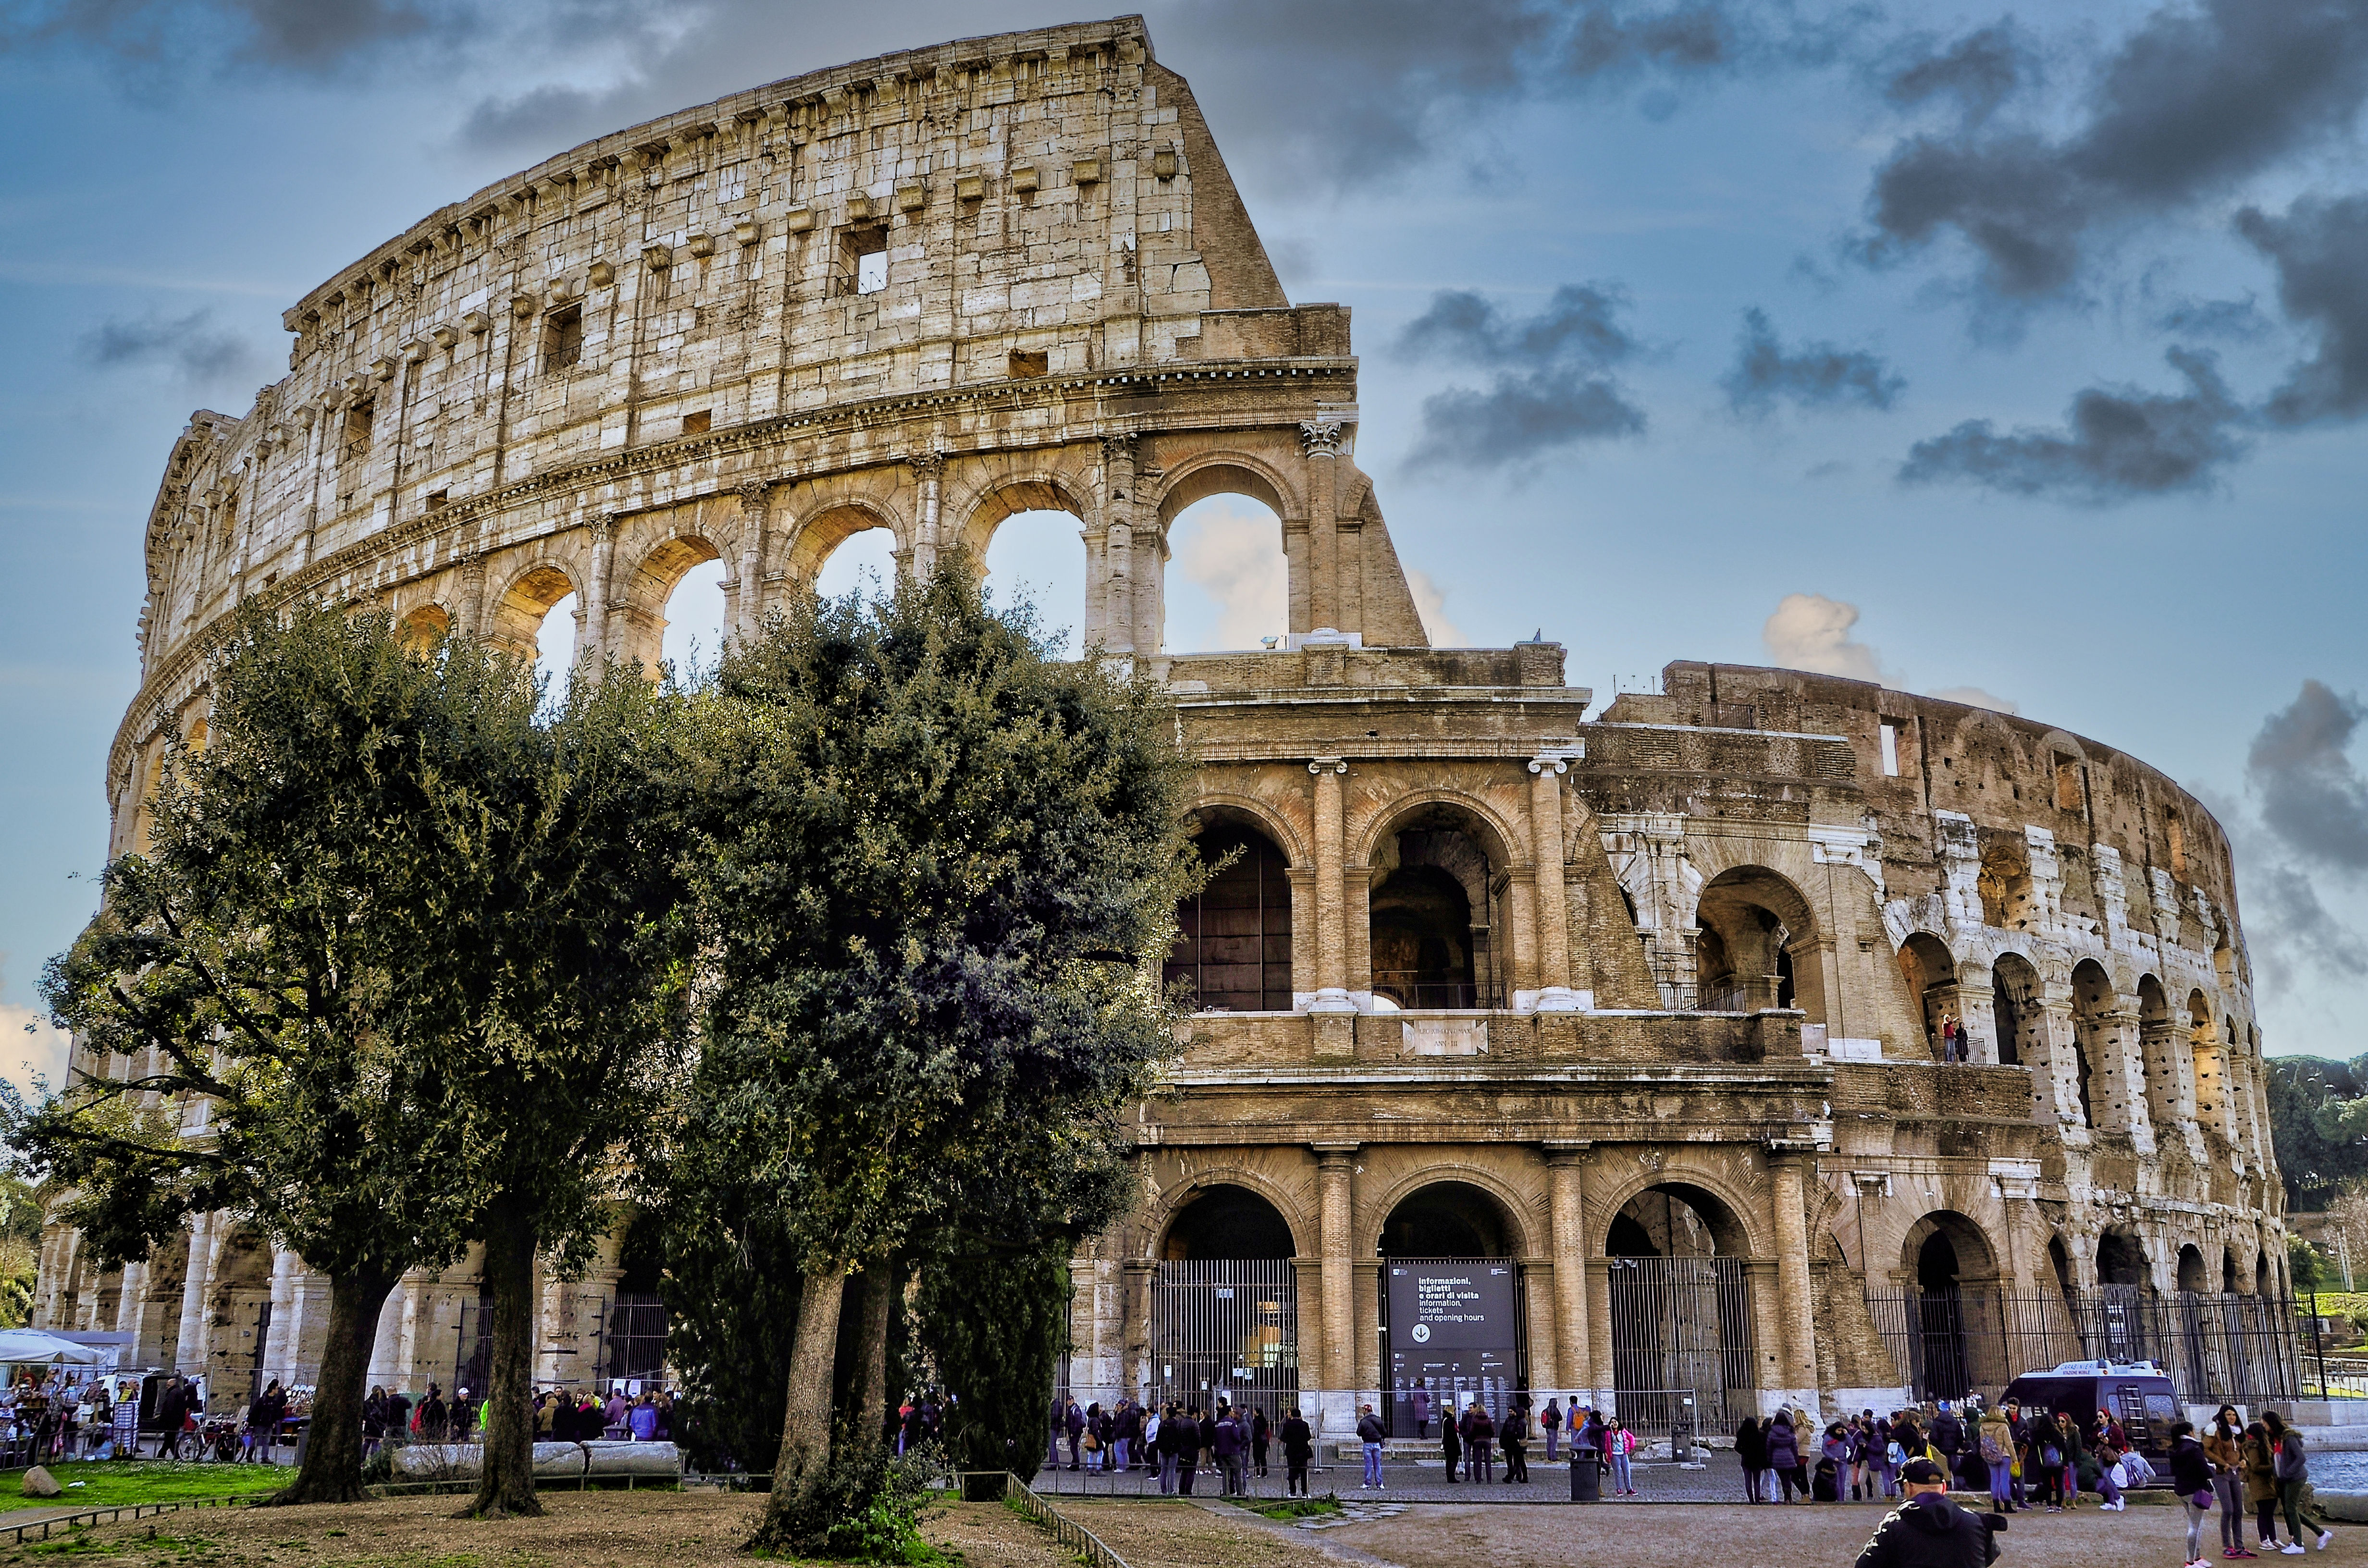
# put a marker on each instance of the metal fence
(1682, 1347)
(1226, 1329)
(1066, 1530)
(636, 1335)
(1974, 1340)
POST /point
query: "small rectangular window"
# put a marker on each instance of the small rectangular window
(698, 424)
(438, 499)
(359, 417)
(563, 338)
(1890, 749)
(863, 258)
(1024, 364)
(2068, 791)
(872, 272)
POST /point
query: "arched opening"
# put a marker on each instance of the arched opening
(2123, 1277)
(1233, 941)
(1932, 977)
(1431, 915)
(2004, 883)
(2159, 1053)
(238, 1321)
(1224, 1303)
(424, 628)
(2209, 1061)
(2059, 1261)
(1038, 557)
(672, 609)
(635, 1332)
(521, 615)
(1949, 1278)
(159, 1324)
(2227, 1272)
(2021, 1023)
(2121, 1259)
(2264, 1279)
(558, 641)
(862, 560)
(1680, 1298)
(2096, 1044)
(2192, 1275)
(1229, 582)
(1451, 1308)
(1767, 939)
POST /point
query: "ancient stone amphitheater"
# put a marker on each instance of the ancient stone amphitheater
(1599, 1057)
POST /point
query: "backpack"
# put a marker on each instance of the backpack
(2051, 1455)
(1991, 1452)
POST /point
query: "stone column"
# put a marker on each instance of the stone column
(595, 594)
(278, 1341)
(189, 1349)
(1135, 1374)
(929, 469)
(1119, 630)
(1320, 440)
(751, 596)
(1551, 907)
(1567, 1170)
(469, 613)
(1795, 1308)
(1335, 1167)
(1331, 922)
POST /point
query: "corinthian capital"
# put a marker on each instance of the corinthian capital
(1320, 437)
(1119, 447)
(927, 466)
(751, 496)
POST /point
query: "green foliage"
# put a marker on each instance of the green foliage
(2318, 1122)
(992, 1326)
(108, 1484)
(730, 1288)
(1299, 1508)
(2306, 1265)
(861, 1507)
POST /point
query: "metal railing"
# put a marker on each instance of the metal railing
(1227, 1330)
(1973, 1339)
(1065, 1530)
(83, 1518)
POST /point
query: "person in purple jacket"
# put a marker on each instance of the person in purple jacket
(1784, 1454)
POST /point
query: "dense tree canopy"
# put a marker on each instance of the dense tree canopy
(935, 868)
(2319, 1121)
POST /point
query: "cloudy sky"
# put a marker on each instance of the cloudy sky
(2017, 356)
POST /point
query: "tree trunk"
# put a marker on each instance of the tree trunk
(870, 1421)
(506, 1485)
(332, 1472)
(805, 1424)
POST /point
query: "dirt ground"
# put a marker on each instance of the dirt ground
(1680, 1534)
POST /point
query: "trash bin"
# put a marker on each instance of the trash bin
(1586, 1479)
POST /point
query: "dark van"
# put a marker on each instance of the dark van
(2140, 1397)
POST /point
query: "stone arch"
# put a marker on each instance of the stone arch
(1250, 811)
(1768, 940)
(638, 634)
(985, 509)
(1449, 1218)
(2097, 1047)
(2159, 1052)
(1233, 472)
(424, 627)
(2122, 1258)
(2211, 1060)
(531, 594)
(1522, 1235)
(238, 1304)
(1438, 908)
(1728, 1202)
(1233, 937)
(1971, 1257)
(1225, 1220)
(2227, 1270)
(1929, 971)
(2193, 1275)
(1710, 1226)
(1173, 1200)
(808, 542)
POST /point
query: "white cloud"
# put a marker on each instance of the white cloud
(1974, 697)
(30, 1047)
(1232, 552)
(1810, 631)
(1430, 603)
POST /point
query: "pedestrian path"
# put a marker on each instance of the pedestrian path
(1353, 1513)
(1719, 1479)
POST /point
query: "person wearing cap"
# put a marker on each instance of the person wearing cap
(1928, 1531)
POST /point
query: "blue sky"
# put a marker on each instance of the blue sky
(2057, 386)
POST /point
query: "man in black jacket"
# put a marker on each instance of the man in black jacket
(1928, 1531)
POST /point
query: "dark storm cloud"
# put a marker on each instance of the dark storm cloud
(2300, 928)
(2192, 101)
(1977, 72)
(2118, 444)
(191, 346)
(306, 36)
(2318, 248)
(1552, 384)
(1810, 375)
(2313, 798)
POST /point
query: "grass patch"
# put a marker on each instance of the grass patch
(1299, 1508)
(164, 1548)
(116, 1483)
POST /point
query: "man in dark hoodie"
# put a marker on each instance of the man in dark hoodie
(1928, 1531)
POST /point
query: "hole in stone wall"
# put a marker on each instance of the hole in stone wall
(563, 338)
(1025, 363)
(862, 259)
(698, 424)
(1037, 556)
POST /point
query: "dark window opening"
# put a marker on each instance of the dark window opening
(1233, 942)
(1228, 1221)
(359, 418)
(862, 259)
(698, 424)
(1025, 364)
(563, 338)
(438, 499)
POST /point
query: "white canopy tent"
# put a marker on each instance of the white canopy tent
(30, 1347)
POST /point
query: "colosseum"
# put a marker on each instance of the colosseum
(1606, 1057)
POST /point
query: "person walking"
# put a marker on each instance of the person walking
(1420, 1402)
(1261, 1436)
(1370, 1434)
(1480, 1443)
(1231, 1441)
(2190, 1477)
(2295, 1496)
(1550, 1422)
(1927, 1530)
(2260, 1471)
(1784, 1454)
(1298, 1447)
(1515, 1441)
(1450, 1445)
(1126, 1440)
(172, 1413)
(1751, 1452)
(1187, 1450)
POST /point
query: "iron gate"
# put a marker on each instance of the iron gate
(1225, 1329)
(1680, 1326)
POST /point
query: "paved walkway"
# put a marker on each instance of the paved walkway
(1720, 1479)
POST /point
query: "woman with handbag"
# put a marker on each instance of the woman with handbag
(2222, 1445)
(2191, 1476)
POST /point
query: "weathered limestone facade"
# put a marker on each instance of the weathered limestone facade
(1653, 994)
